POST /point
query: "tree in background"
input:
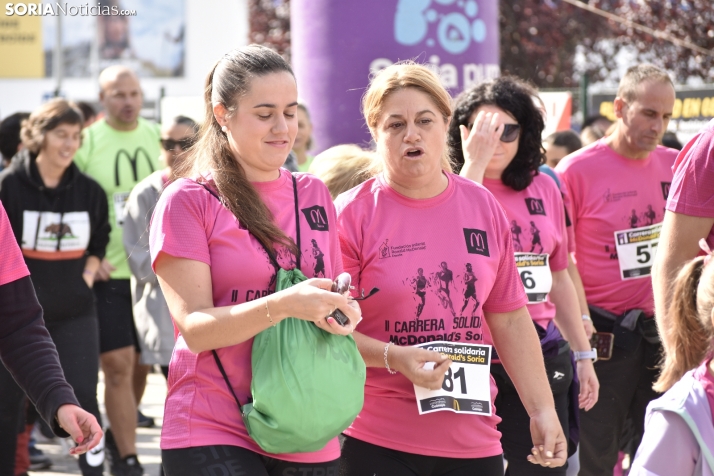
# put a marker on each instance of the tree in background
(539, 38)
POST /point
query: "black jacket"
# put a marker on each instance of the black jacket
(56, 228)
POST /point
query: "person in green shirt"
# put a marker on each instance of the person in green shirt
(303, 139)
(118, 152)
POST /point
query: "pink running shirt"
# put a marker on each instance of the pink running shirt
(12, 264)
(705, 377)
(418, 253)
(537, 222)
(693, 185)
(609, 193)
(190, 223)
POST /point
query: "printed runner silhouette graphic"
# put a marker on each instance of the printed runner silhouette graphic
(470, 291)
(420, 283)
(446, 276)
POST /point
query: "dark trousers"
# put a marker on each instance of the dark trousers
(12, 418)
(625, 390)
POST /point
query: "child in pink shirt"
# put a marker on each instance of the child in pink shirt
(217, 241)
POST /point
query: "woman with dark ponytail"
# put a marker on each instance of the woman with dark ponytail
(679, 428)
(219, 233)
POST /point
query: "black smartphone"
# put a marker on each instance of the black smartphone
(341, 285)
(603, 342)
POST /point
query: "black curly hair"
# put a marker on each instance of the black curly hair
(517, 98)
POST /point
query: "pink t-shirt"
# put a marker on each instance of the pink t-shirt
(537, 223)
(12, 264)
(190, 223)
(609, 193)
(693, 185)
(439, 264)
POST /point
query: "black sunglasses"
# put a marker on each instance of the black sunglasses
(170, 144)
(509, 134)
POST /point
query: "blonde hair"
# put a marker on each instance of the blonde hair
(343, 167)
(47, 117)
(691, 331)
(403, 75)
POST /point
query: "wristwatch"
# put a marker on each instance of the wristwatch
(586, 354)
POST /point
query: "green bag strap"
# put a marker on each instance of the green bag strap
(273, 261)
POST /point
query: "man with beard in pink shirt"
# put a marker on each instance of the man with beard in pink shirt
(623, 174)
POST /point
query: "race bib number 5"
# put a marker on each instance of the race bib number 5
(636, 250)
(535, 274)
(467, 383)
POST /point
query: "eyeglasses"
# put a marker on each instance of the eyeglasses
(509, 134)
(170, 144)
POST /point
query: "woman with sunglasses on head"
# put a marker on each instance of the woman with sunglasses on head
(219, 233)
(496, 141)
(151, 315)
(417, 215)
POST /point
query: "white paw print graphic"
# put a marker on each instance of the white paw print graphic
(454, 31)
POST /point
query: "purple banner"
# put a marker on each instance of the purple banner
(337, 43)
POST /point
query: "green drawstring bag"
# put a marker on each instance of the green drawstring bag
(308, 384)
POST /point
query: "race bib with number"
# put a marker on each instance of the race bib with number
(467, 383)
(120, 199)
(636, 250)
(535, 274)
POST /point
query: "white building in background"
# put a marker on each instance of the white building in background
(212, 28)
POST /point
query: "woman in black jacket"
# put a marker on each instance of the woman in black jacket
(59, 217)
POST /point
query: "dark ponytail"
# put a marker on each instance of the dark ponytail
(229, 79)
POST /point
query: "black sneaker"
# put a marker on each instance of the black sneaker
(143, 421)
(111, 451)
(38, 460)
(129, 466)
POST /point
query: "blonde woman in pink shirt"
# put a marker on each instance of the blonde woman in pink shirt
(216, 261)
(496, 141)
(417, 220)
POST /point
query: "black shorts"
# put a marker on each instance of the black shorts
(233, 460)
(360, 458)
(116, 318)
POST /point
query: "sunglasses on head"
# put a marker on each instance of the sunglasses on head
(170, 144)
(509, 134)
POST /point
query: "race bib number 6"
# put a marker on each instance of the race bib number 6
(535, 274)
(467, 383)
(636, 250)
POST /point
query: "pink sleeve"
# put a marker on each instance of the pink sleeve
(570, 206)
(348, 246)
(182, 222)
(668, 447)
(559, 257)
(335, 252)
(692, 191)
(12, 264)
(507, 293)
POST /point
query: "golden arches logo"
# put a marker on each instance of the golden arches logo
(456, 405)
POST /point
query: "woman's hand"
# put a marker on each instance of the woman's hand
(81, 426)
(589, 328)
(479, 144)
(410, 362)
(589, 384)
(550, 448)
(313, 300)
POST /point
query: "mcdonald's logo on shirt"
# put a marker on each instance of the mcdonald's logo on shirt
(317, 218)
(132, 163)
(665, 189)
(535, 206)
(476, 241)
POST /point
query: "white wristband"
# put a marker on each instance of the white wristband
(586, 354)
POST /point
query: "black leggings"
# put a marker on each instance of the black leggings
(77, 342)
(224, 460)
(360, 458)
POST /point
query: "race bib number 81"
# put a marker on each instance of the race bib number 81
(467, 383)
(636, 250)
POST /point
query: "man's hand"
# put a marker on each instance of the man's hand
(81, 426)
